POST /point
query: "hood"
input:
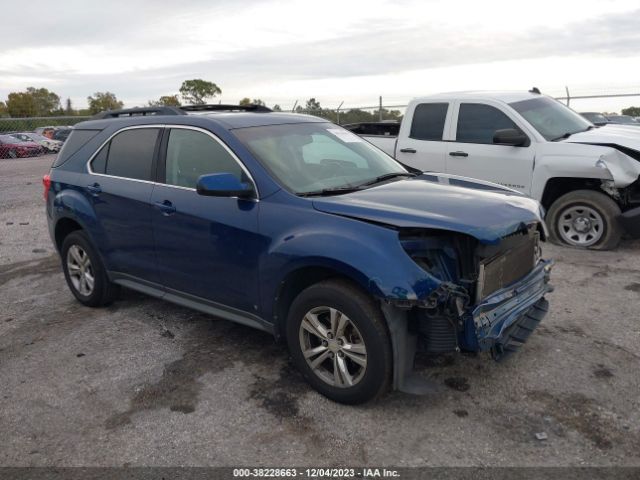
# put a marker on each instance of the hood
(420, 203)
(627, 137)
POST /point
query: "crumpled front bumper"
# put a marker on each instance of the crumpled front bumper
(504, 320)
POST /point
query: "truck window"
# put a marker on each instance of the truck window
(477, 123)
(428, 121)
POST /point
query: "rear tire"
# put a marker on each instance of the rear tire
(339, 340)
(84, 271)
(585, 219)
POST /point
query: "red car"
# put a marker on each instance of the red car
(11, 147)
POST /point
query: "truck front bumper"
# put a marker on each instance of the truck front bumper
(504, 320)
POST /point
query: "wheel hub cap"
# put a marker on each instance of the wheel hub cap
(580, 225)
(80, 270)
(333, 347)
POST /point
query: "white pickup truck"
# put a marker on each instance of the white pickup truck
(586, 177)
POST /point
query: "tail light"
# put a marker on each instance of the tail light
(46, 182)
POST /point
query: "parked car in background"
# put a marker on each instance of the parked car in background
(45, 131)
(12, 147)
(295, 226)
(49, 145)
(598, 119)
(623, 120)
(587, 178)
(61, 134)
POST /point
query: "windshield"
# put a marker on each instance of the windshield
(9, 139)
(595, 117)
(622, 119)
(311, 157)
(551, 118)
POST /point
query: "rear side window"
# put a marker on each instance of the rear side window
(76, 140)
(129, 154)
(477, 123)
(191, 154)
(428, 121)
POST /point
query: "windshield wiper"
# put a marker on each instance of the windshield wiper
(387, 176)
(563, 136)
(328, 191)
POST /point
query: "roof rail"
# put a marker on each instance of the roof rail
(139, 111)
(225, 108)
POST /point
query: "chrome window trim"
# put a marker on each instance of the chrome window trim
(184, 127)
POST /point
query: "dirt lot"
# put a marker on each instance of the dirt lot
(147, 383)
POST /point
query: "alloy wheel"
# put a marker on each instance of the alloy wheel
(333, 347)
(80, 270)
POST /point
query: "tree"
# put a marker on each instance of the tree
(248, 101)
(197, 90)
(166, 101)
(46, 102)
(312, 106)
(21, 104)
(276, 108)
(68, 109)
(101, 101)
(632, 111)
(3, 109)
(35, 102)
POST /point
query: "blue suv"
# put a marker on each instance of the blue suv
(296, 226)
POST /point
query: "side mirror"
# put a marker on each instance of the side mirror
(510, 136)
(223, 185)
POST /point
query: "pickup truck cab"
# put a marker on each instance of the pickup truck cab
(586, 177)
(297, 227)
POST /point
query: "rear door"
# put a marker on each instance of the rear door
(472, 153)
(207, 247)
(421, 144)
(119, 185)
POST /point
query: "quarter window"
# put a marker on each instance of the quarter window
(129, 154)
(191, 154)
(477, 123)
(428, 121)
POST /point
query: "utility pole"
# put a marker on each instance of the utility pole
(380, 109)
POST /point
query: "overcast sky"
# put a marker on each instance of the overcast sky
(351, 51)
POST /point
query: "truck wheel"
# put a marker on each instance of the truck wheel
(85, 274)
(338, 339)
(585, 219)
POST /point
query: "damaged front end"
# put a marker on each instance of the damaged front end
(490, 298)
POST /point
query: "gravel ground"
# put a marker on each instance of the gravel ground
(144, 382)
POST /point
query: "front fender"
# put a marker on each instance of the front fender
(370, 255)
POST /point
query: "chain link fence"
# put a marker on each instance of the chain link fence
(10, 125)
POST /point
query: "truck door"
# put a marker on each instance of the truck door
(472, 152)
(421, 141)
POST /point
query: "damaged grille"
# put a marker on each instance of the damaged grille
(508, 266)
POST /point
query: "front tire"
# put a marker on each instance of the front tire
(338, 339)
(585, 219)
(84, 271)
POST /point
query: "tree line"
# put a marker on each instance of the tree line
(41, 102)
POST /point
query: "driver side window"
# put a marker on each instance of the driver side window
(478, 122)
(191, 153)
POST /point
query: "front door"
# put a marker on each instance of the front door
(473, 153)
(207, 247)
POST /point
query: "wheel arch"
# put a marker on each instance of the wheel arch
(303, 276)
(556, 187)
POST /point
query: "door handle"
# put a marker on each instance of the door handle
(94, 189)
(166, 207)
(408, 150)
(459, 154)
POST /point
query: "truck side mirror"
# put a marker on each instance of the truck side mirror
(512, 137)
